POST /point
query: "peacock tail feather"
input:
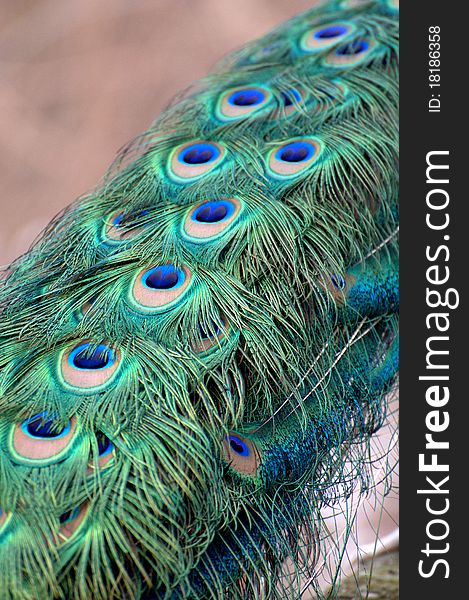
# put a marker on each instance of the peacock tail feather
(190, 352)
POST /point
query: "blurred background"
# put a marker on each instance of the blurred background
(79, 79)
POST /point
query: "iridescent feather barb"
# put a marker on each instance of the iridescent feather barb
(190, 353)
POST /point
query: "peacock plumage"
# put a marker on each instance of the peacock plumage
(192, 352)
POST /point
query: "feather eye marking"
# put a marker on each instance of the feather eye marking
(40, 439)
(210, 336)
(290, 96)
(121, 227)
(211, 218)
(241, 454)
(160, 287)
(337, 285)
(106, 451)
(350, 53)
(88, 366)
(325, 36)
(194, 159)
(338, 281)
(293, 157)
(86, 307)
(70, 522)
(242, 102)
(290, 101)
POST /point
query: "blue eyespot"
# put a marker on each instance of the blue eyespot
(117, 221)
(295, 152)
(290, 96)
(247, 97)
(44, 427)
(195, 159)
(338, 281)
(105, 446)
(164, 277)
(353, 48)
(214, 211)
(207, 334)
(199, 154)
(82, 358)
(293, 157)
(330, 32)
(326, 36)
(210, 334)
(238, 446)
(69, 515)
(242, 102)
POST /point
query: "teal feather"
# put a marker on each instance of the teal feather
(174, 432)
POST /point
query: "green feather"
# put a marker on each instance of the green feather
(175, 431)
